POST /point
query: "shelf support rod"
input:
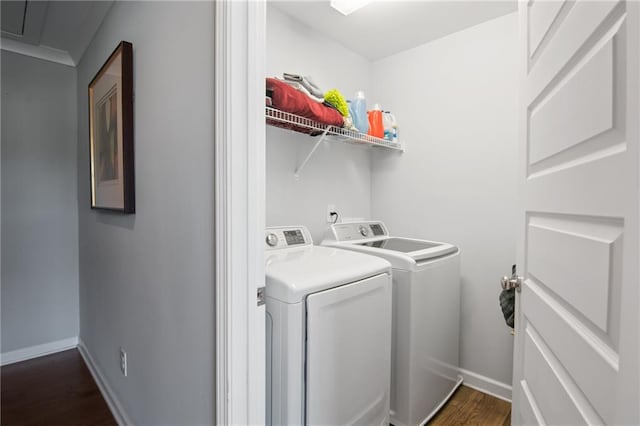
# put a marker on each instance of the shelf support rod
(296, 173)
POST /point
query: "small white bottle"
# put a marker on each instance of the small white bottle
(394, 132)
(390, 127)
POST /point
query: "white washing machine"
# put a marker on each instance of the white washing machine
(328, 333)
(426, 316)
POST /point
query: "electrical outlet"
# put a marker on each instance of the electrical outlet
(123, 362)
(330, 208)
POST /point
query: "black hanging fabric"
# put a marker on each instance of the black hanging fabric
(507, 304)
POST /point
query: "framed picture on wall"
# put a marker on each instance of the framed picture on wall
(111, 133)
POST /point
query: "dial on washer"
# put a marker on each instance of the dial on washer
(272, 240)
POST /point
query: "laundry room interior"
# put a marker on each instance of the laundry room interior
(448, 72)
(320, 212)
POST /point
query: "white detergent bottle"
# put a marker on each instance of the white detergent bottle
(390, 127)
(394, 127)
(387, 122)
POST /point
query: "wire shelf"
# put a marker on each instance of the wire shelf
(329, 131)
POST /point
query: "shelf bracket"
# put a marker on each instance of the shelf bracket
(296, 173)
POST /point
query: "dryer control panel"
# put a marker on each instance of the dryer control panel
(287, 237)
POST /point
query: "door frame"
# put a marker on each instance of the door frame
(240, 158)
(239, 70)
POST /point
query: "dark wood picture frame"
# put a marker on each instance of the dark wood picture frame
(111, 133)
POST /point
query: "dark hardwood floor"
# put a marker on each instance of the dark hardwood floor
(58, 389)
(469, 407)
(55, 389)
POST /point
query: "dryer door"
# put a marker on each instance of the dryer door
(349, 354)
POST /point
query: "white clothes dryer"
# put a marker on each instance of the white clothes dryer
(426, 316)
(328, 333)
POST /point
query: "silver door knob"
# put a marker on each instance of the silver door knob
(514, 281)
(508, 283)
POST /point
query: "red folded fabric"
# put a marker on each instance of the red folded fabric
(288, 99)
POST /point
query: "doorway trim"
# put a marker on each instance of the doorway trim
(239, 211)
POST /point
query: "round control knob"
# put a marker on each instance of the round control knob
(272, 240)
(363, 231)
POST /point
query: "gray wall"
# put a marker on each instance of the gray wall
(39, 207)
(147, 280)
(456, 103)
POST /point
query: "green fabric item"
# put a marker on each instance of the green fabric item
(335, 98)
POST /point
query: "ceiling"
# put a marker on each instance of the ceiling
(54, 30)
(62, 30)
(383, 28)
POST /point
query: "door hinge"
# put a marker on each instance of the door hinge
(261, 296)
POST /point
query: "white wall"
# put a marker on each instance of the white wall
(338, 173)
(39, 207)
(455, 101)
(147, 280)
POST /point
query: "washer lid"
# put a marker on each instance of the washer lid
(372, 237)
(403, 245)
(403, 253)
(292, 274)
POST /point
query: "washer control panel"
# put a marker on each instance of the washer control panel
(287, 237)
(358, 230)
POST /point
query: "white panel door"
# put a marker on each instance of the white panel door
(576, 351)
(348, 356)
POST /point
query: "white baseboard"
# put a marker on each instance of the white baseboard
(107, 393)
(38, 350)
(485, 384)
